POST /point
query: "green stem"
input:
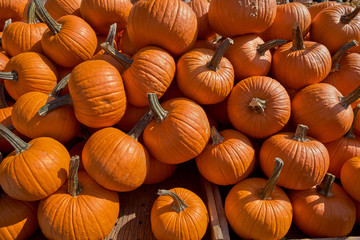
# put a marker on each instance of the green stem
(179, 204)
(300, 134)
(3, 102)
(262, 48)
(339, 53)
(49, 21)
(9, 75)
(346, 18)
(56, 103)
(121, 58)
(139, 127)
(154, 104)
(347, 100)
(219, 53)
(74, 187)
(257, 105)
(60, 86)
(350, 134)
(297, 38)
(266, 192)
(31, 13)
(325, 188)
(15, 141)
(215, 136)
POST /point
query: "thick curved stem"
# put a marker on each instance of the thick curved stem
(154, 104)
(300, 134)
(266, 192)
(31, 13)
(3, 102)
(15, 141)
(9, 75)
(49, 21)
(179, 204)
(257, 105)
(121, 58)
(74, 187)
(350, 134)
(111, 35)
(60, 86)
(325, 188)
(219, 53)
(215, 136)
(347, 100)
(297, 38)
(262, 48)
(346, 18)
(139, 127)
(56, 103)
(339, 53)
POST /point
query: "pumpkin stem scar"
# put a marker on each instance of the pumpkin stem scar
(257, 105)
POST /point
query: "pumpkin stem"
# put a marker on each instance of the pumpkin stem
(3, 103)
(350, 134)
(325, 188)
(347, 100)
(284, 2)
(121, 58)
(154, 104)
(139, 127)
(257, 105)
(49, 21)
(9, 75)
(56, 103)
(346, 18)
(19, 144)
(300, 134)
(179, 204)
(219, 53)
(111, 35)
(74, 187)
(215, 136)
(31, 13)
(266, 192)
(339, 53)
(7, 23)
(60, 86)
(262, 48)
(297, 38)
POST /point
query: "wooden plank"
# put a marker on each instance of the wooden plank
(221, 212)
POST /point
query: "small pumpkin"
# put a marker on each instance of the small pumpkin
(205, 76)
(19, 218)
(258, 209)
(178, 213)
(350, 177)
(327, 204)
(258, 106)
(158, 171)
(41, 167)
(4, 59)
(179, 132)
(30, 31)
(229, 159)
(59, 8)
(314, 9)
(80, 209)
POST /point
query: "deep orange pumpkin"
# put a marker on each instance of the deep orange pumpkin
(13, 9)
(178, 213)
(131, 117)
(201, 9)
(172, 24)
(258, 106)
(126, 45)
(314, 9)
(3, 61)
(41, 167)
(258, 209)
(350, 177)
(59, 8)
(158, 171)
(327, 204)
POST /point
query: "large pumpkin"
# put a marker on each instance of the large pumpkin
(350, 177)
(172, 24)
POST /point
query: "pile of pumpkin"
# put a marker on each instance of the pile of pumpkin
(102, 96)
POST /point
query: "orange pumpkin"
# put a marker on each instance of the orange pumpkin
(219, 112)
(350, 177)
(205, 76)
(3, 61)
(327, 204)
(126, 45)
(314, 9)
(80, 209)
(229, 159)
(201, 9)
(158, 171)
(131, 117)
(19, 218)
(59, 8)
(179, 132)
(178, 213)
(11, 9)
(258, 209)
(172, 24)
(41, 167)
(258, 106)
(109, 151)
